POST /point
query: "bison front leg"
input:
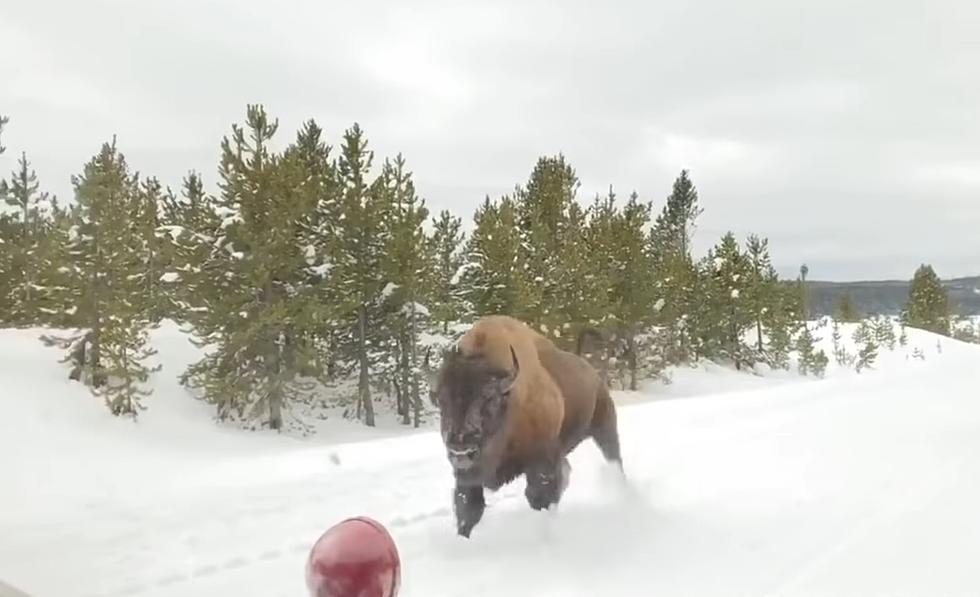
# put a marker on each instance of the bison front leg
(468, 505)
(547, 479)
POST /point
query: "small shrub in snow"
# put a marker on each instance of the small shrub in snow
(808, 359)
(866, 338)
(843, 358)
(884, 332)
(819, 363)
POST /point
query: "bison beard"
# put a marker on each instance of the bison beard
(512, 404)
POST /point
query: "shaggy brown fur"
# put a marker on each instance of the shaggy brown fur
(513, 403)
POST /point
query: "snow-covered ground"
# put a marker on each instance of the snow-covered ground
(771, 485)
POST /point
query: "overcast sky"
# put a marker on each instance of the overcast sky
(847, 132)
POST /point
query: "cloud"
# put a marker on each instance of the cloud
(956, 174)
(845, 132)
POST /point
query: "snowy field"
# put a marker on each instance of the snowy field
(772, 485)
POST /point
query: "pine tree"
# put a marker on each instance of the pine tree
(448, 242)
(864, 337)
(360, 253)
(250, 308)
(676, 272)
(811, 360)
(542, 208)
(805, 346)
(4, 120)
(152, 197)
(580, 292)
(633, 273)
(820, 362)
(884, 332)
(601, 250)
(843, 358)
(188, 232)
(406, 269)
(928, 303)
(57, 308)
(846, 310)
(780, 320)
(8, 236)
(23, 264)
(730, 309)
(773, 309)
(494, 281)
(105, 285)
(320, 235)
(675, 225)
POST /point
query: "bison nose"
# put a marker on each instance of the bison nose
(463, 457)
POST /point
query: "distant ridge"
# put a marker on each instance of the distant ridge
(889, 296)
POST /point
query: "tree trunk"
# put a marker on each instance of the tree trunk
(28, 277)
(733, 338)
(413, 360)
(95, 359)
(631, 347)
(363, 387)
(275, 397)
(404, 372)
(758, 331)
(399, 395)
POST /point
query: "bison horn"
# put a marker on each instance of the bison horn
(516, 371)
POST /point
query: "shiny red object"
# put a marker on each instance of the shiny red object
(354, 558)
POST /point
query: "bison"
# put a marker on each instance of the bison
(512, 403)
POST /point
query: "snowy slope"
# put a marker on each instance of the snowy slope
(749, 485)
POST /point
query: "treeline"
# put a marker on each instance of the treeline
(927, 307)
(317, 276)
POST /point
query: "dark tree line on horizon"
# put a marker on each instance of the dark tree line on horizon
(312, 280)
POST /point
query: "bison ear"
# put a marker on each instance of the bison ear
(517, 364)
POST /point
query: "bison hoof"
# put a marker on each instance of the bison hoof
(541, 497)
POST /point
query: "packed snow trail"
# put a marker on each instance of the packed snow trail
(854, 485)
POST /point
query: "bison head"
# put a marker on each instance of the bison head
(472, 397)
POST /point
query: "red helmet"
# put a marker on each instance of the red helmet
(354, 558)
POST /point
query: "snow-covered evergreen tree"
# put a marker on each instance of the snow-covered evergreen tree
(843, 358)
(632, 298)
(811, 360)
(847, 311)
(674, 227)
(104, 285)
(249, 308)
(865, 338)
(362, 241)
(406, 269)
(29, 223)
(542, 208)
(729, 275)
(884, 332)
(676, 270)
(928, 303)
(774, 308)
(580, 294)
(448, 244)
(494, 280)
(4, 120)
(148, 217)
